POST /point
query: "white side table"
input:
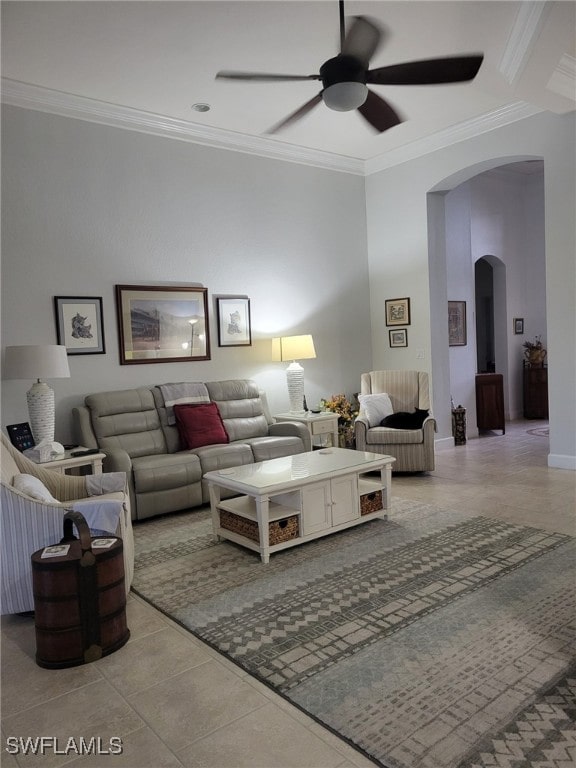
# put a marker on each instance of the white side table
(319, 425)
(93, 460)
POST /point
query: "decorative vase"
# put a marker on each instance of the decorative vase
(535, 357)
(346, 437)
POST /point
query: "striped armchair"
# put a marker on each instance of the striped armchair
(413, 449)
(29, 524)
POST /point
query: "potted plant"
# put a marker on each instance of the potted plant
(534, 352)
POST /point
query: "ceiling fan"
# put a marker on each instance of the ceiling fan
(345, 77)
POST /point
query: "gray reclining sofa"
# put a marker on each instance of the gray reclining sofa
(132, 428)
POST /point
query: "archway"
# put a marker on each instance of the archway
(452, 261)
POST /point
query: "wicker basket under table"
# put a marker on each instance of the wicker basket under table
(278, 530)
(371, 502)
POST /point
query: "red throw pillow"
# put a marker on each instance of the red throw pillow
(199, 425)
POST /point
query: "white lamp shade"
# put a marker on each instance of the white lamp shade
(293, 348)
(41, 361)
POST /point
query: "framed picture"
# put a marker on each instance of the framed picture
(79, 325)
(457, 323)
(398, 337)
(162, 324)
(234, 321)
(397, 311)
(518, 325)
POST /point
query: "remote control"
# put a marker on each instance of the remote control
(87, 452)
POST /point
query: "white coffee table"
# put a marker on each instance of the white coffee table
(284, 502)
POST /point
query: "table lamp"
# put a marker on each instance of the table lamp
(294, 348)
(47, 361)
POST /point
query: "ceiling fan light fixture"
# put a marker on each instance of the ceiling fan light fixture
(343, 97)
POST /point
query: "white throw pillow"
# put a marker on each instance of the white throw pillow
(33, 487)
(375, 407)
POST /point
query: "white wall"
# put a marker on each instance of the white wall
(86, 207)
(497, 215)
(460, 287)
(399, 241)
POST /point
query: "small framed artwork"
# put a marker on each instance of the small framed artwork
(398, 337)
(457, 323)
(397, 311)
(233, 321)
(162, 324)
(518, 325)
(79, 325)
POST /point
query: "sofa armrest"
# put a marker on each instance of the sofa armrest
(82, 427)
(361, 427)
(118, 461)
(292, 429)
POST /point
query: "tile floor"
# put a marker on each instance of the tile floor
(174, 702)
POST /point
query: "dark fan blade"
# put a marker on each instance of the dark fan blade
(379, 113)
(262, 76)
(452, 69)
(362, 40)
(304, 109)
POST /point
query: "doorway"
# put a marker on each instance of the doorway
(493, 211)
(484, 296)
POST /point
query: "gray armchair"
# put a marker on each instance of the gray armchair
(413, 449)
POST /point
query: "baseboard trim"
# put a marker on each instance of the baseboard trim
(559, 461)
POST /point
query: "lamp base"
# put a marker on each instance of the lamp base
(40, 398)
(295, 379)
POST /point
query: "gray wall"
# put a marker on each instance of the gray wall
(86, 207)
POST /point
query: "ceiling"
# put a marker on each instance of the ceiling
(144, 64)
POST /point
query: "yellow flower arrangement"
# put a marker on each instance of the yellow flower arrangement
(342, 406)
(346, 415)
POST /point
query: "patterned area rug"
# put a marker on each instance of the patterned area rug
(434, 639)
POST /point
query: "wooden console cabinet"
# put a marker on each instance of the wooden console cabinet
(490, 401)
(535, 393)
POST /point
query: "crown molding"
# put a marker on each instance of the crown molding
(28, 96)
(563, 79)
(522, 38)
(468, 129)
(34, 97)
